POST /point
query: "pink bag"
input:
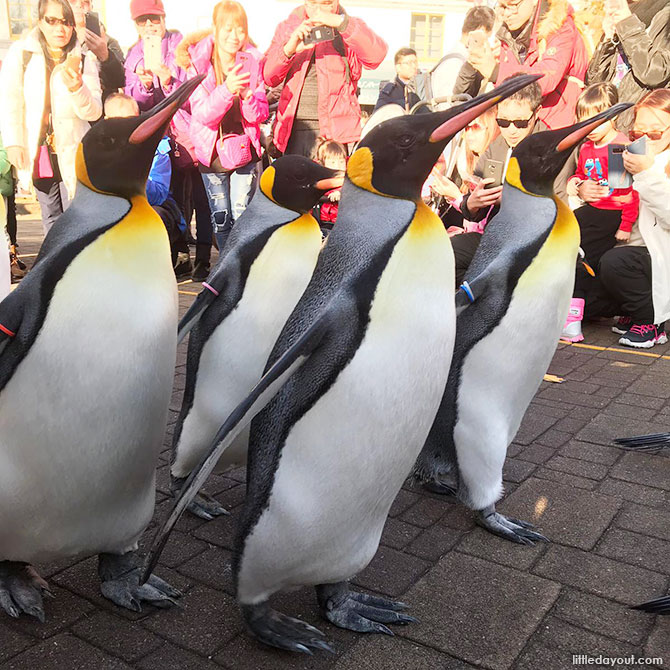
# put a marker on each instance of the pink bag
(234, 151)
(44, 168)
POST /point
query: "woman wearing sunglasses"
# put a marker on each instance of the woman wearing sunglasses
(634, 280)
(54, 95)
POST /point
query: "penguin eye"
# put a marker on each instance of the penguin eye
(301, 177)
(405, 141)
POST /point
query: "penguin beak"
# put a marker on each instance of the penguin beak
(575, 134)
(336, 181)
(158, 119)
(455, 119)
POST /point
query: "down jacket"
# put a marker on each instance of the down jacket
(21, 113)
(337, 72)
(210, 103)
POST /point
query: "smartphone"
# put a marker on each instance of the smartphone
(493, 169)
(93, 22)
(153, 55)
(249, 65)
(73, 61)
(319, 34)
(617, 176)
(639, 147)
(476, 40)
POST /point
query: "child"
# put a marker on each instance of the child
(333, 155)
(608, 215)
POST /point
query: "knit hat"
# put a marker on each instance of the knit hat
(146, 8)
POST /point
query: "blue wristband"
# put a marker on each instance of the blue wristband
(468, 291)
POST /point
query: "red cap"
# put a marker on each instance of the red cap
(146, 8)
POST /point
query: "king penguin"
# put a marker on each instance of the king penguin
(87, 353)
(511, 308)
(263, 270)
(357, 375)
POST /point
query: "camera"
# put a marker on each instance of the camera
(319, 34)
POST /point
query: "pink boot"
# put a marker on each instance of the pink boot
(572, 330)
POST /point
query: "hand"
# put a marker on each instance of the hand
(591, 191)
(482, 197)
(296, 43)
(444, 186)
(73, 79)
(572, 187)
(455, 230)
(322, 18)
(635, 163)
(146, 78)
(97, 44)
(164, 75)
(334, 196)
(236, 82)
(484, 61)
(617, 10)
(18, 157)
(246, 94)
(622, 235)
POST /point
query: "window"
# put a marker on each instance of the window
(22, 15)
(427, 35)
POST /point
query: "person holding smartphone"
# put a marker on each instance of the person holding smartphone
(227, 110)
(53, 96)
(634, 278)
(93, 37)
(320, 79)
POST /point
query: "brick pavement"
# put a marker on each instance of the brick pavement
(482, 602)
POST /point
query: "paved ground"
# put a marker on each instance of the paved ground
(482, 602)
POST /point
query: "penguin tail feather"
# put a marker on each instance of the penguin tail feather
(652, 442)
(656, 606)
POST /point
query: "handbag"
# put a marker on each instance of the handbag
(233, 150)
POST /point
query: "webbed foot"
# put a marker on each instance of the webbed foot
(278, 630)
(360, 612)
(508, 528)
(120, 583)
(440, 487)
(21, 590)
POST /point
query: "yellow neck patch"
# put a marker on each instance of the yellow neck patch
(267, 182)
(513, 175)
(360, 169)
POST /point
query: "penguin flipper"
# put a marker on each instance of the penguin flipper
(205, 298)
(269, 385)
(651, 442)
(657, 606)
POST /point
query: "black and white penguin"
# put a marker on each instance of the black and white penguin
(511, 308)
(362, 363)
(87, 352)
(265, 267)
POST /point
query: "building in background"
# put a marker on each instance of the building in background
(429, 26)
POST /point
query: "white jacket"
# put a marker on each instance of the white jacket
(21, 115)
(653, 185)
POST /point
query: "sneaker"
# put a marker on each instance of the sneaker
(200, 271)
(572, 330)
(17, 267)
(643, 336)
(622, 326)
(183, 266)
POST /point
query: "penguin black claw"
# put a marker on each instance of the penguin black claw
(21, 590)
(508, 528)
(657, 606)
(205, 507)
(284, 632)
(441, 488)
(652, 442)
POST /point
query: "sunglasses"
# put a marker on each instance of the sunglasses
(149, 18)
(473, 126)
(653, 135)
(53, 21)
(518, 123)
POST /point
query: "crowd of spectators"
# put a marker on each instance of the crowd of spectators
(301, 96)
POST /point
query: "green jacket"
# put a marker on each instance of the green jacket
(6, 179)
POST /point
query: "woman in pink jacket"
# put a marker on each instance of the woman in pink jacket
(227, 110)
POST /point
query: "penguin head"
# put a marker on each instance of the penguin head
(115, 155)
(537, 160)
(396, 157)
(297, 183)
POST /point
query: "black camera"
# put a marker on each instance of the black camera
(319, 34)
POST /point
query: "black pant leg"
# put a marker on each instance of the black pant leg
(11, 218)
(203, 218)
(464, 245)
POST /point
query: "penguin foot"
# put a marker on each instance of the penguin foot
(120, 583)
(278, 630)
(657, 606)
(205, 507)
(21, 590)
(440, 487)
(508, 528)
(360, 612)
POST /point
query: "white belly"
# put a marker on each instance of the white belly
(82, 419)
(502, 373)
(234, 357)
(345, 460)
